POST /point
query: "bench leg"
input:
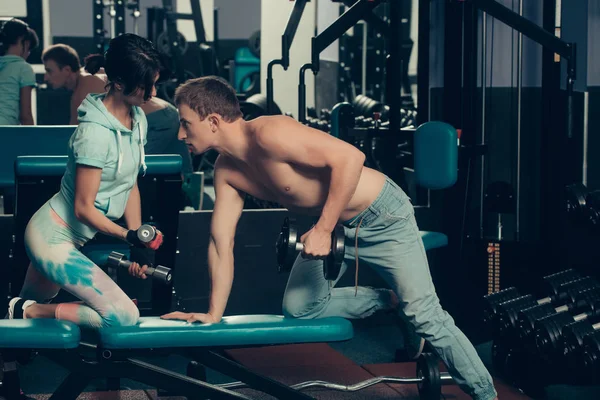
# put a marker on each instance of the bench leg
(155, 376)
(252, 379)
(71, 387)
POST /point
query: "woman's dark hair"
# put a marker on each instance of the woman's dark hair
(12, 31)
(131, 61)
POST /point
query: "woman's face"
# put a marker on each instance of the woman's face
(136, 98)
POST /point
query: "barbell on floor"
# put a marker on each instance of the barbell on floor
(429, 380)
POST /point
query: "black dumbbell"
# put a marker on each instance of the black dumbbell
(550, 285)
(144, 234)
(158, 273)
(523, 316)
(573, 347)
(287, 246)
(590, 356)
(548, 330)
(591, 212)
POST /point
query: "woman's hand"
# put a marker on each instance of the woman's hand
(138, 271)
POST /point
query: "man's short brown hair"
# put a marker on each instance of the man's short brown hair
(208, 95)
(63, 56)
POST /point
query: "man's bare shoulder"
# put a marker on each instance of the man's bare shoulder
(224, 168)
(91, 83)
(272, 128)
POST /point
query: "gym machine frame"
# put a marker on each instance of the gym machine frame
(286, 42)
(320, 42)
(460, 97)
(117, 14)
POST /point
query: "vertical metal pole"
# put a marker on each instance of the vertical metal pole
(423, 44)
(586, 110)
(483, 113)
(394, 71)
(364, 58)
(519, 100)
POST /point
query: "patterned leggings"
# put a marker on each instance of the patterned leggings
(56, 263)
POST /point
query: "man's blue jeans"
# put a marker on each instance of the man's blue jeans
(389, 242)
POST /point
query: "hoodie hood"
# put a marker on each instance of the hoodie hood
(10, 59)
(92, 110)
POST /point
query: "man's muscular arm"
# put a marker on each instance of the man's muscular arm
(294, 143)
(229, 203)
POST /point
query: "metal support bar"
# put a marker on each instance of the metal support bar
(254, 380)
(216, 37)
(119, 17)
(339, 27)
(423, 62)
(394, 66)
(526, 27)
(286, 43)
(198, 22)
(98, 25)
(380, 25)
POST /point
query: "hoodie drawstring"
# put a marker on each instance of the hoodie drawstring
(142, 131)
(142, 152)
(120, 149)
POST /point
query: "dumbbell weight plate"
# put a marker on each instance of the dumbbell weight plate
(431, 386)
(333, 262)
(164, 44)
(286, 246)
(146, 233)
(575, 196)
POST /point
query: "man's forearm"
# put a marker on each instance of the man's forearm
(220, 269)
(133, 209)
(344, 180)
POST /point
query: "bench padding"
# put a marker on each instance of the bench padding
(433, 240)
(38, 334)
(242, 330)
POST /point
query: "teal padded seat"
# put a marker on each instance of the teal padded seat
(240, 330)
(433, 240)
(163, 164)
(38, 334)
(30, 140)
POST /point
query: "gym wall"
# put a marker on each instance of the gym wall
(274, 16)
(326, 81)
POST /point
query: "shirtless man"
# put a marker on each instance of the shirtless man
(278, 159)
(64, 71)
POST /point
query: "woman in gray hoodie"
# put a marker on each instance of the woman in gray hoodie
(99, 186)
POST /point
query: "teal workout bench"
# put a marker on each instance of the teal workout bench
(37, 179)
(116, 348)
(27, 141)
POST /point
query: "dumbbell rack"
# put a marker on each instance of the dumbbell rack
(563, 346)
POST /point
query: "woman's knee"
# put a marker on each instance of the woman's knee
(126, 314)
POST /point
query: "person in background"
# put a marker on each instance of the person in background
(17, 78)
(63, 70)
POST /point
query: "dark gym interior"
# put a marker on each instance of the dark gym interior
(483, 112)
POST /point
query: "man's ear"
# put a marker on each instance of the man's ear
(214, 122)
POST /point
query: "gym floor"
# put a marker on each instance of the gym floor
(375, 342)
